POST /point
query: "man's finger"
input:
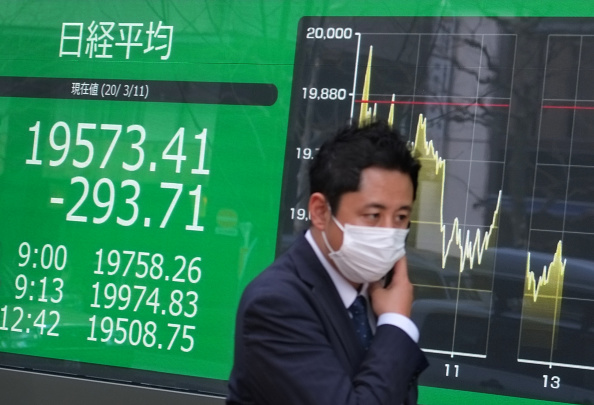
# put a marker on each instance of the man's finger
(374, 286)
(400, 271)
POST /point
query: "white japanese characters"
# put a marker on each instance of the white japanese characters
(108, 40)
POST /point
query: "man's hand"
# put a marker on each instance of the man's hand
(395, 297)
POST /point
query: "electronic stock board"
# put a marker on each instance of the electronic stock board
(153, 160)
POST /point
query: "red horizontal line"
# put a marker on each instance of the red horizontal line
(567, 107)
(432, 103)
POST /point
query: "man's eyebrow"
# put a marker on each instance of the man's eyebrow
(375, 205)
(382, 206)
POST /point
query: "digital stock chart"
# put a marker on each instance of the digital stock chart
(154, 159)
(500, 112)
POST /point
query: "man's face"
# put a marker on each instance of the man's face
(384, 199)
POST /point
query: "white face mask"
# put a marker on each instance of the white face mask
(367, 253)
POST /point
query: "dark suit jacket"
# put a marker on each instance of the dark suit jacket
(295, 344)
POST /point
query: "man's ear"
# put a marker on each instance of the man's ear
(319, 211)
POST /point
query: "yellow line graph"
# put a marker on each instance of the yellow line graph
(550, 284)
(366, 115)
(430, 193)
(433, 169)
(541, 306)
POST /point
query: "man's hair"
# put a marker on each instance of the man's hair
(338, 164)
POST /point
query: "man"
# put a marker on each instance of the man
(297, 342)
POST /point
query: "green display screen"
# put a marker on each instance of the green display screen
(153, 160)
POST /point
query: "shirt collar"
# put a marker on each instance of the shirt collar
(347, 292)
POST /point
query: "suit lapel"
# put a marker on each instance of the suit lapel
(311, 271)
